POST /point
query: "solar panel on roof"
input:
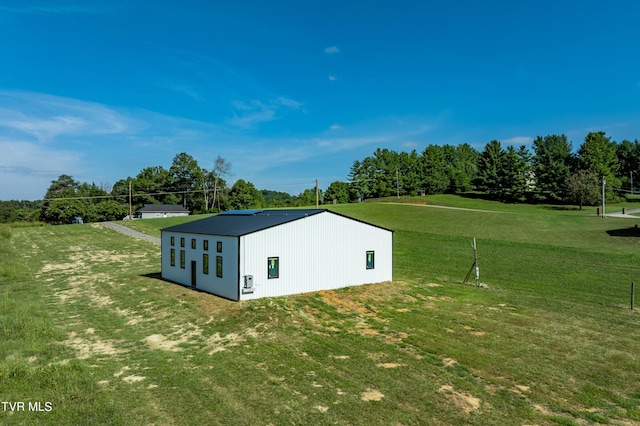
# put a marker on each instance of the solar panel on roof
(240, 212)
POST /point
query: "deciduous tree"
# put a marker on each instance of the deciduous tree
(244, 195)
(338, 191)
(584, 188)
(598, 155)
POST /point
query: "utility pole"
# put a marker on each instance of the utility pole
(397, 183)
(317, 196)
(604, 182)
(130, 207)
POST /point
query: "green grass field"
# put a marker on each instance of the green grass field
(87, 326)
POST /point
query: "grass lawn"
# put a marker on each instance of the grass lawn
(87, 325)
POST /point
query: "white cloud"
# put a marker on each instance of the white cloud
(57, 9)
(410, 145)
(290, 103)
(342, 144)
(249, 114)
(185, 89)
(27, 168)
(332, 77)
(518, 140)
(331, 49)
(47, 117)
(336, 126)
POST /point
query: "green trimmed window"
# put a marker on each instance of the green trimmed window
(273, 267)
(193, 243)
(219, 266)
(173, 241)
(205, 244)
(173, 257)
(182, 259)
(205, 264)
(181, 241)
(370, 259)
(219, 246)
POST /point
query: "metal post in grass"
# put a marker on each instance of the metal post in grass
(604, 182)
(632, 293)
(475, 262)
(473, 266)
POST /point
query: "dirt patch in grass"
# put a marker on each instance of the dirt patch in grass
(448, 362)
(345, 304)
(390, 365)
(87, 348)
(170, 343)
(371, 395)
(465, 401)
(65, 267)
(132, 379)
(362, 299)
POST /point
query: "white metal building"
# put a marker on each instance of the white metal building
(248, 254)
(150, 211)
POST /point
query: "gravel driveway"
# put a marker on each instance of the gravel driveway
(130, 232)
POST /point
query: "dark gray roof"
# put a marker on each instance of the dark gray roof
(162, 208)
(242, 222)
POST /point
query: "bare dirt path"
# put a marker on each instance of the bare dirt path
(627, 215)
(130, 232)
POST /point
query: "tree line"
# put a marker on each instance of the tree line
(550, 173)
(185, 183)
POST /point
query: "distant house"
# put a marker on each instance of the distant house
(248, 254)
(150, 211)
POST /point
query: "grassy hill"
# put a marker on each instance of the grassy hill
(87, 325)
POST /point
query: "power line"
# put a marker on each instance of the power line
(135, 195)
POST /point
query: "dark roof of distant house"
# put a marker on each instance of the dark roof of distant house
(162, 208)
(236, 223)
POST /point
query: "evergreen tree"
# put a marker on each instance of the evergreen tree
(490, 169)
(551, 166)
(434, 170)
(513, 175)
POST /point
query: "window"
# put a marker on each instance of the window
(181, 241)
(370, 259)
(219, 266)
(273, 267)
(219, 247)
(173, 257)
(193, 243)
(182, 259)
(205, 264)
(205, 244)
(173, 241)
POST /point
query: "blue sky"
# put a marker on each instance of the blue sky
(291, 91)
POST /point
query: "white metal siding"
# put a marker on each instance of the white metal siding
(155, 215)
(227, 286)
(319, 252)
